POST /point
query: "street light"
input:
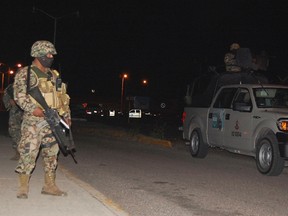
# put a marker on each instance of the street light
(145, 82)
(124, 76)
(9, 72)
(55, 20)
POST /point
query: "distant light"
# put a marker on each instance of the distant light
(19, 65)
(93, 91)
(11, 72)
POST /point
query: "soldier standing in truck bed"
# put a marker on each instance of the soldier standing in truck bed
(230, 59)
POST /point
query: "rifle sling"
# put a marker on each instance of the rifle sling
(36, 94)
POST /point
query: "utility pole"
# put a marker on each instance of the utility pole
(55, 19)
(123, 77)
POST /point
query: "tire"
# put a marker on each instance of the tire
(268, 158)
(198, 148)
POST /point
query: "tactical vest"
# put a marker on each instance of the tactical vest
(53, 90)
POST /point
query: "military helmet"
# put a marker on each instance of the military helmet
(41, 48)
(234, 46)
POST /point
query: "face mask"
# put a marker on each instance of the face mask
(45, 61)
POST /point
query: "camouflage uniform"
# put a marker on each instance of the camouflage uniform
(36, 133)
(15, 118)
(35, 130)
(230, 59)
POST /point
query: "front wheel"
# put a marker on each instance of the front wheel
(197, 147)
(268, 158)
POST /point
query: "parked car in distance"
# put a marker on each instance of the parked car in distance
(135, 113)
(94, 110)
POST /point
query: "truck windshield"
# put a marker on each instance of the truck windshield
(271, 97)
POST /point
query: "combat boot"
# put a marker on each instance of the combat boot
(16, 156)
(23, 186)
(50, 188)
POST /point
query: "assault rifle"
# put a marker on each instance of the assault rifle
(58, 126)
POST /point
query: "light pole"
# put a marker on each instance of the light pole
(2, 77)
(123, 77)
(2, 81)
(55, 20)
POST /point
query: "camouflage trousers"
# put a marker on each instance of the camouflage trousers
(14, 125)
(36, 137)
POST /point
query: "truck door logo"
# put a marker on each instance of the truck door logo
(217, 120)
(237, 125)
(236, 133)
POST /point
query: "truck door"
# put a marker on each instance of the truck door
(216, 116)
(239, 118)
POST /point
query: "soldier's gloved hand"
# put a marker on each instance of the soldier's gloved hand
(38, 112)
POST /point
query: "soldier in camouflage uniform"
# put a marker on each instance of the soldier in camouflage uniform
(15, 119)
(230, 59)
(36, 133)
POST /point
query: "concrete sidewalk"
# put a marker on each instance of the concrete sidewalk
(82, 198)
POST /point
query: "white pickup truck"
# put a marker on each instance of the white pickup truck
(248, 119)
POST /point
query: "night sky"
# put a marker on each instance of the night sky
(166, 42)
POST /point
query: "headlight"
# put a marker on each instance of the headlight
(282, 124)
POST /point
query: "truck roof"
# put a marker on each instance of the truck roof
(209, 87)
(265, 85)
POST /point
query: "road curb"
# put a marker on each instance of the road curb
(155, 141)
(110, 204)
(123, 134)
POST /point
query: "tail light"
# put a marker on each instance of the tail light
(183, 117)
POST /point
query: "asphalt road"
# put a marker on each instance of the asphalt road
(151, 180)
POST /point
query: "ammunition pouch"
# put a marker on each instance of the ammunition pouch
(56, 98)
